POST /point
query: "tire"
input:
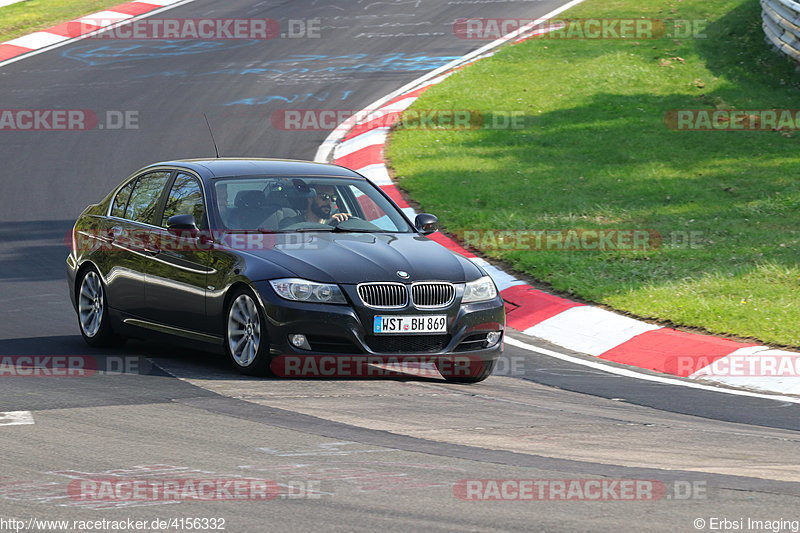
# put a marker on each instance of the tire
(93, 312)
(475, 371)
(246, 341)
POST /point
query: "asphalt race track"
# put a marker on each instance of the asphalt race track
(350, 455)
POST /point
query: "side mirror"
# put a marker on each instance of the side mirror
(182, 225)
(426, 223)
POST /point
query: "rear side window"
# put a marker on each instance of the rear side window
(185, 198)
(121, 200)
(146, 194)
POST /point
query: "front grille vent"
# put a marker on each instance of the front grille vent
(424, 294)
(473, 342)
(431, 295)
(384, 295)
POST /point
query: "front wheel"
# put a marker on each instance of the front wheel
(246, 341)
(93, 314)
(465, 370)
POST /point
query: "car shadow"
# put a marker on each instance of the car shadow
(150, 358)
(199, 365)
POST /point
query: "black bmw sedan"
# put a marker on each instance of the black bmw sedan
(266, 260)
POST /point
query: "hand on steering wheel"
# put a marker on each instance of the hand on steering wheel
(338, 218)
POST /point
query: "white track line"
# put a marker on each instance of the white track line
(645, 377)
(16, 418)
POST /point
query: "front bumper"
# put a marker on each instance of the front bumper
(345, 330)
(72, 273)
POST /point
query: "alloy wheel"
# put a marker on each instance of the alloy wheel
(244, 330)
(90, 304)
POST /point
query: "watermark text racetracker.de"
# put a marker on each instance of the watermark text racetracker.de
(769, 363)
(208, 29)
(67, 120)
(578, 490)
(412, 119)
(190, 489)
(489, 29)
(576, 239)
(733, 119)
(92, 240)
(71, 366)
(346, 366)
(372, 366)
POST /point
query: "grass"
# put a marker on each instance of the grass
(33, 15)
(595, 153)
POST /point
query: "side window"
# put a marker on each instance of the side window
(145, 196)
(185, 198)
(368, 206)
(121, 200)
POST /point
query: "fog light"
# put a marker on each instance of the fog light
(299, 341)
(492, 338)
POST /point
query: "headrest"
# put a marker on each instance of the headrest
(247, 199)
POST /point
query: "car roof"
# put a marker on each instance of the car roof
(230, 167)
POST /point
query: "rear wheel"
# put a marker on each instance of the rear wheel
(246, 341)
(469, 371)
(93, 313)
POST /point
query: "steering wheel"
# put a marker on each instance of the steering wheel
(335, 222)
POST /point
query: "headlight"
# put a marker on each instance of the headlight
(301, 290)
(480, 290)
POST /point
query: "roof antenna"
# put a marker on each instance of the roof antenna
(212, 135)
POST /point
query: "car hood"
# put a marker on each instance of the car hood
(351, 258)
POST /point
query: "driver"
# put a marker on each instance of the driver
(319, 209)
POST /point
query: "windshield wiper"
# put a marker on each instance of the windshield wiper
(307, 230)
(356, 230)
(338, 229)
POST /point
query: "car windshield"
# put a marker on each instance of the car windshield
(294, 204)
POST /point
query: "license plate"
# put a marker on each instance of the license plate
(398, 325)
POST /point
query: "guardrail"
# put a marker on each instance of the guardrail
(781, 23)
